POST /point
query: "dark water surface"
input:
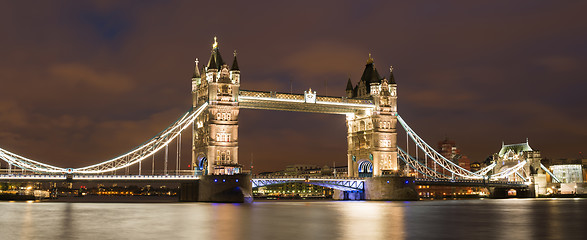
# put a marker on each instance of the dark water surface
(455, 219)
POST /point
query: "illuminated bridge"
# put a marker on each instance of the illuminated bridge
(370, 110)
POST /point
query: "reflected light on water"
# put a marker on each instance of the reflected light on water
(458, 219)
(372, 220)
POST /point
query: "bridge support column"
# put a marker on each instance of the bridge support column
(512, 192)
(235, 188)
(390, 188)
(348, 195)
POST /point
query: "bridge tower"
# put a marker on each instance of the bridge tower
(215, 133)
(510, 155)
(372, 135)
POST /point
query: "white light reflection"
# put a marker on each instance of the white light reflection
(372, 220)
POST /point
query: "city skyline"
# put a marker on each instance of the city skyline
(86, 82)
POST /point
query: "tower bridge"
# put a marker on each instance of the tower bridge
(377, 167)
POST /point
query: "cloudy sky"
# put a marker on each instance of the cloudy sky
(83, 82)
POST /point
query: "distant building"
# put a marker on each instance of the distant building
(568, 173)
(475, 166)
(299, 190)
(511, 155)
(449, 150)
(293, 190)
(307, 170)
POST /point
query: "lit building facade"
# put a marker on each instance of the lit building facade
(568, 173)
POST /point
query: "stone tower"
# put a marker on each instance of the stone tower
(215, 132)
(372, 135)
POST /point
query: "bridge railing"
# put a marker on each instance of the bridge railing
(308, 177)
(466, 181)
(300, 97)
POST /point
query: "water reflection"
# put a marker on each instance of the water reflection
(472, 219)
(372, 220)
(513, 219)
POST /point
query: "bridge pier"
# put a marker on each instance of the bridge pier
(390, 188)
(218, 188)
(348, 195)
(512, 192)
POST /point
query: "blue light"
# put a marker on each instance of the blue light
(215, 180)
(223, 180)
(237, 180)
(407, 181)
(387, 181)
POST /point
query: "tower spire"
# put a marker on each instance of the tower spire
(370, 59)
(349, 85)
(234, 63)
(215, 61)
(391, 78)
(196, 70)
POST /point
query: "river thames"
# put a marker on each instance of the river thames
(451, 219)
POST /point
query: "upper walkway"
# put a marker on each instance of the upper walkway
(302, 103)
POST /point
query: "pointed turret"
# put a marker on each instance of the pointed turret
(234, 63)
(349, 85)
(196, 70)
(391, 78)
(349, 88)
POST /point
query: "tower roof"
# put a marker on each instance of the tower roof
(516, 148)
(215, 61)
(370, 74)
(212, 62)
(234, 63)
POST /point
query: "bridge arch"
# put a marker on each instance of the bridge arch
(201, 163)
(365, 168)
(349, 184)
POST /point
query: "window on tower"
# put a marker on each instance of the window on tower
(223, 116)
(223, 137)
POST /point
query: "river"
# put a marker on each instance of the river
(450, 219)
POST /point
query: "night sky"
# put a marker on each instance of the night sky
(84, 82)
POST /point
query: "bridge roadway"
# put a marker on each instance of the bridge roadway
(341, 183)
(95, 178)
(358, 184)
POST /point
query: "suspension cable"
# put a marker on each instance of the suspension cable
(166, 155)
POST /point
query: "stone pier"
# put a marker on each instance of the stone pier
(218, 188)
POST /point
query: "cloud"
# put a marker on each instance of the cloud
(559, 64)
(11, 115)
(430, 98)
(324, 58)
(78, 74)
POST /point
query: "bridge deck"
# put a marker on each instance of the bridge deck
(468, 183)
(296, 102)
(96, 178)
(347, 184)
